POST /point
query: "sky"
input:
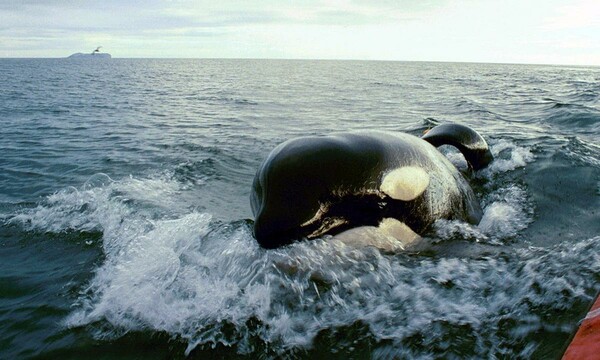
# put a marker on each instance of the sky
(498, 31)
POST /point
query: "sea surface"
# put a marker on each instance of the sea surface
(125, 224)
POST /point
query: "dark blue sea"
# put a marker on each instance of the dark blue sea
(126, 229)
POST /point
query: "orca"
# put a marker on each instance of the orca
(353, 184)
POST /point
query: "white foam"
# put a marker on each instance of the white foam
(193, 278)
(507, 157)
(450, 229)
(100, 204)
(454, 156)
(506, 212)
(191, 284)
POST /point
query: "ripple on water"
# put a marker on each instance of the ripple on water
(170, 255)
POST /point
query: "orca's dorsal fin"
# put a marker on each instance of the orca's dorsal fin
(466, 140)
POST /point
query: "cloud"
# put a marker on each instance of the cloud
(53, 25)
(461, 30)
(575, 15)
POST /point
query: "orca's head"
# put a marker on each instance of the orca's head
(285, 195)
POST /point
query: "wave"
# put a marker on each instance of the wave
(508, 156)
(220, 99)
(582, 152)
(506, 213)
(207, 282)
(575, 118)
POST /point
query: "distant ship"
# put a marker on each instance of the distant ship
(96, 54)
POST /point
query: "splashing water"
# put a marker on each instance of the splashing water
(197, 278)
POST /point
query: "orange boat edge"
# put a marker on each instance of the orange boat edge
(586, 343)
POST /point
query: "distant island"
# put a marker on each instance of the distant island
(96, 54)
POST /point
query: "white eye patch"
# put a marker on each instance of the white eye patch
(405, 183)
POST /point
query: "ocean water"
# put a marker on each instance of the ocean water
(125, 224)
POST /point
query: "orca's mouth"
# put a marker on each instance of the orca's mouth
(271, 236)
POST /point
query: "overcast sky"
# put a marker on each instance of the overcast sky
(514, 31)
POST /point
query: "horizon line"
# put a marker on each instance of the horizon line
(316, 59)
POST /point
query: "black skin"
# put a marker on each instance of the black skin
(466, 140)
(317, 185)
